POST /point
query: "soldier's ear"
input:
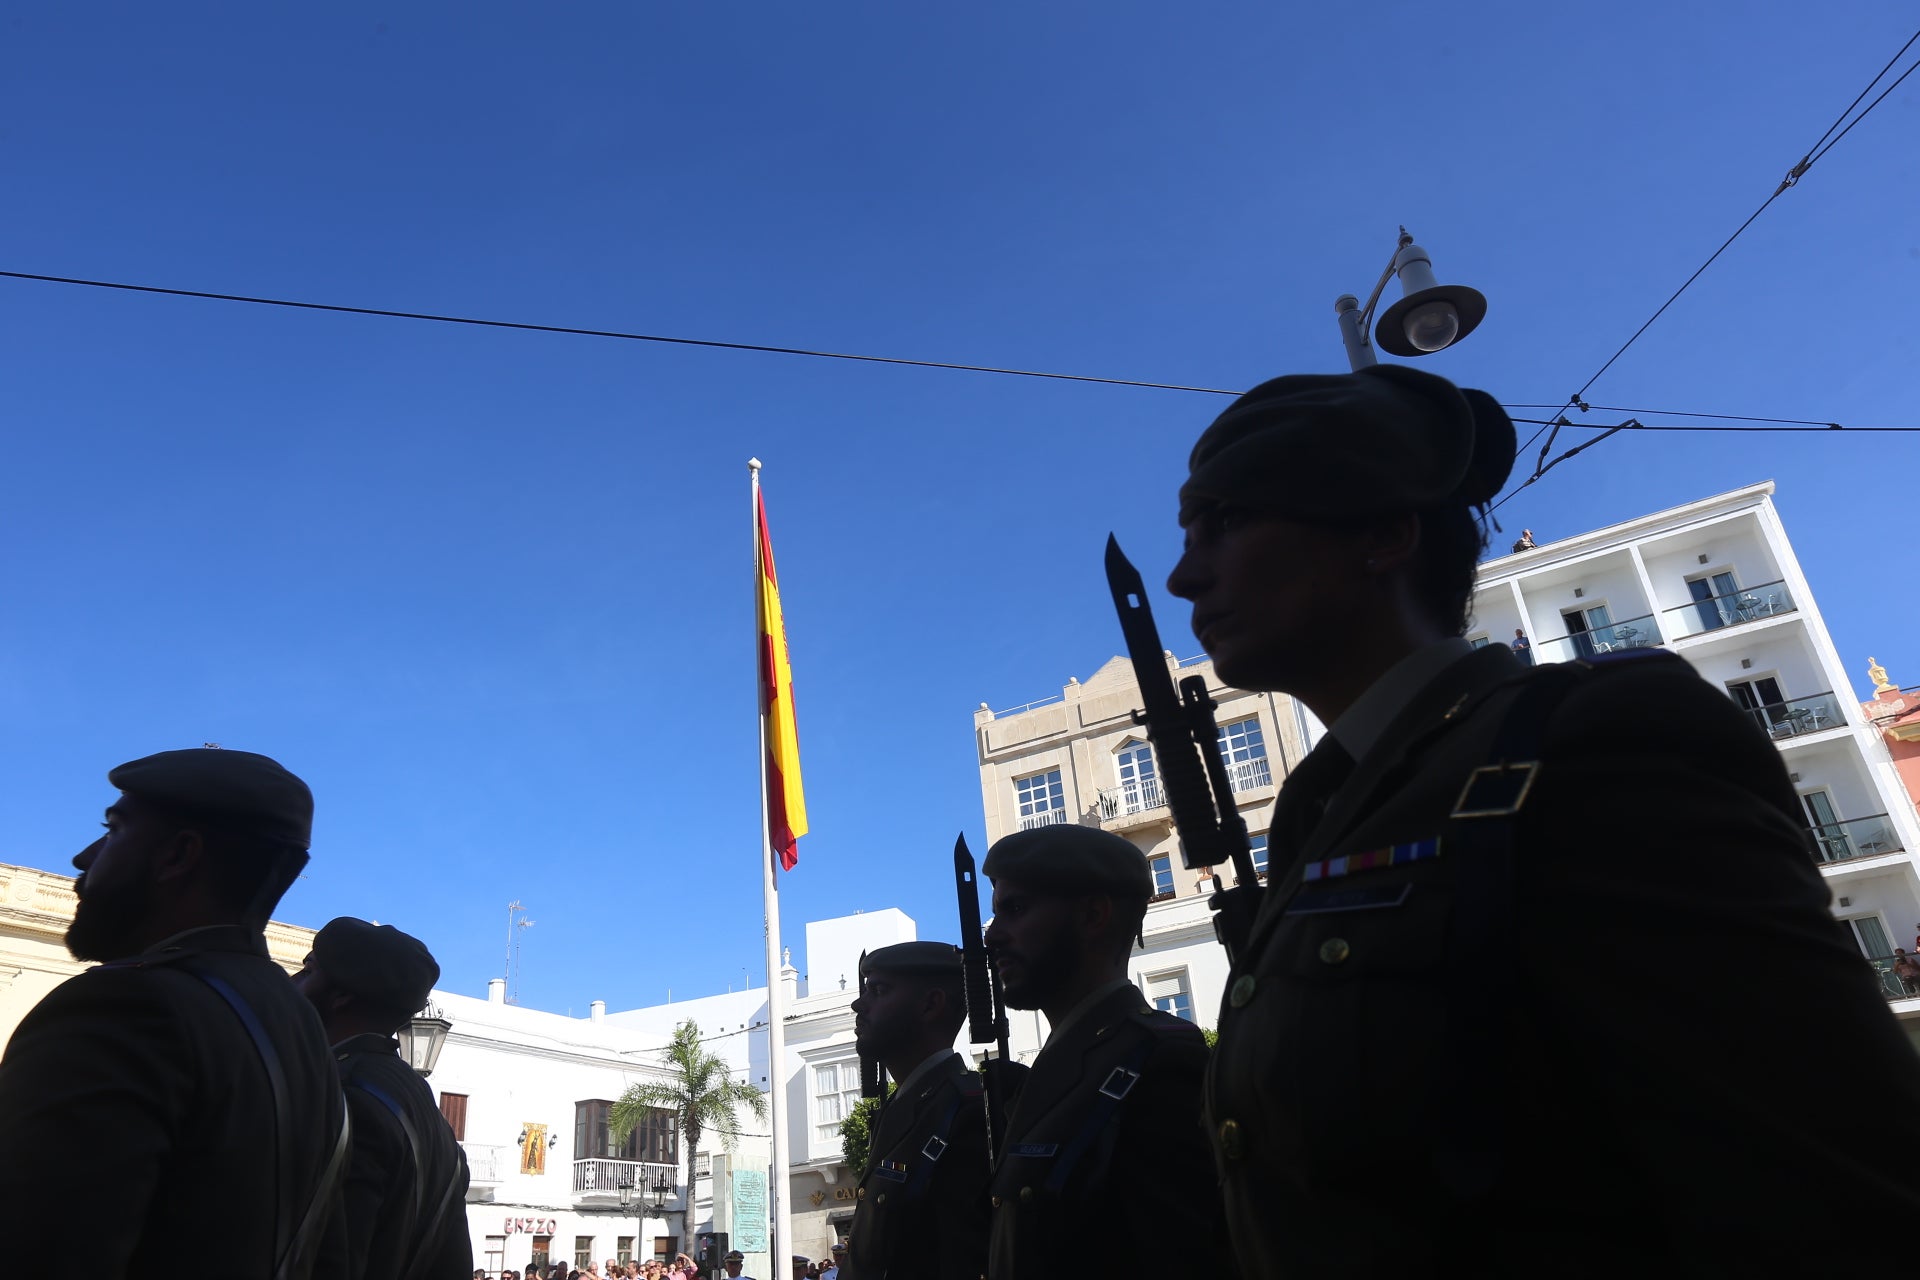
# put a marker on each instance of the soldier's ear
(179, 856)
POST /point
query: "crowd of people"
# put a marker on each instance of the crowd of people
(681, 1267)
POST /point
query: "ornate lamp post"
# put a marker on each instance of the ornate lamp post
(1430, 317)
(422, 1039)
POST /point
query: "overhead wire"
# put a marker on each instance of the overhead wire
(1826, 142)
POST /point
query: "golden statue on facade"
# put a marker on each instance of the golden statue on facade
(1877, 674)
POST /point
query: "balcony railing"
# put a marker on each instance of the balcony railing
(1750, 604)
(1131, 797)
(1248, 774)
(1892, 985)
(600, 1177)
(1867, 837)
(1044, 818)
(1796, 716)
(485, 1163)
(1629, 633)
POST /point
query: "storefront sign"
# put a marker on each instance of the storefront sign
(533, 1226)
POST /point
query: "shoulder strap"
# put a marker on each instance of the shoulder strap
(291, 1239)
(1479, 840)
(1113, 1089)
(426, 1230)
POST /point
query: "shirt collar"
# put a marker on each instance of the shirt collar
(1360, 728)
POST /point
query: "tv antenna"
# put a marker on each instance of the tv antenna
(516, 921)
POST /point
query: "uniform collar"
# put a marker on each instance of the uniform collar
(367, 1042)
(925, 1069)
(1360, 728)
(1093, 999)
(213, 937)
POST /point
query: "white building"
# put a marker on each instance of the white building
(1715, 581)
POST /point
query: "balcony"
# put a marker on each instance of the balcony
(1246, 775)
(1716, 613)
(1797, 716)
(1044, 818)
(485, 1164)
(1892, 985)
(600, 1179)
(1631, 633)
(1130, 798)
(1868, 837)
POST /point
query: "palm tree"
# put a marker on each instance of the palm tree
(702, 1095)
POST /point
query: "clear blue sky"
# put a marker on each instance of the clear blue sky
(489, 592)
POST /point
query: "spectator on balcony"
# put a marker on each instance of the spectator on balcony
(1907, 969)
(1521, 646)
(1462, 819)
(1524, 542)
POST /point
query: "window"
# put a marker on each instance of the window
(1713, 598)
(1042, 800)
(454, 1107)
(592, 1134)
(1139, 783)
(836, 1088)
(624, 1254)
(582, 1252)
(1169, 993)
(656, 1138)
(542, 1248)
(1478, 642)
(1589, 629)
(1259, 846)
(1245, 751)
(1872, 937)
(496, 1255)
(1162, 865)
(664, 1247)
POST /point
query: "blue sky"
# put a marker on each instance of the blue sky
(490, 593)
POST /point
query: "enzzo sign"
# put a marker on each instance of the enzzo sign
(533, 1226)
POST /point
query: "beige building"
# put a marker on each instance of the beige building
(35, 909)
(1080, 758)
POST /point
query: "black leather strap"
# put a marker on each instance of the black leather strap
(423, 1239)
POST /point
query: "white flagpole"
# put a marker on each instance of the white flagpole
(779, 1242)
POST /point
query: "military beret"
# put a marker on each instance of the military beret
(913, 957)
(1071, 859)
(1327, 446)
(245, 791)
(375, 962)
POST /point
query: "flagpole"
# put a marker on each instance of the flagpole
(778, 1240)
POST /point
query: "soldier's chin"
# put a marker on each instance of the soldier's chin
(98, 931)
(1023, 995)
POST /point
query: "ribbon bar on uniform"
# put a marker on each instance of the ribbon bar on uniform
(1392, 856)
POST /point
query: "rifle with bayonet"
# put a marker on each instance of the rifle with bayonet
(1193, 773)
(986, 1006)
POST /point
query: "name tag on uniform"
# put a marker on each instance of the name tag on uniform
(891, 1170)
(1037, 1149)
(1354, 863)
(1309, 902)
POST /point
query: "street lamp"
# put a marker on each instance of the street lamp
(662, 1188)
(422, 1038)
(1430, 317)
(626, 1190)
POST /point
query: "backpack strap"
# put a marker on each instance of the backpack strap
(295, 1228)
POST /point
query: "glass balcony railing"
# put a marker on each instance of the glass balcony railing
(1632, 633)
(1867, 837)
(1131, 797)
(1750, 604)
(1896, 986)
(1796, 716)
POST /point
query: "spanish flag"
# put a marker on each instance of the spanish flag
(786, 806)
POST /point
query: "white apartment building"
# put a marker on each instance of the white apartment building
(1715, 581)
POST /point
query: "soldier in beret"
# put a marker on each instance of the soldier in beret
(404, 1206)
(1485, 1024)
(1112, 1104)
(921, 1208)
(139, 1098)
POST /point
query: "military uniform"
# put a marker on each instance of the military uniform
(133, 1099)
(1546, 982)
(187, 1087)
(1106, 1124)
(921, 1208)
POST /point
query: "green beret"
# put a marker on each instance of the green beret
(1329, 446)
(1071, 859)
(376, 963)
(242, 790)
(913, 957)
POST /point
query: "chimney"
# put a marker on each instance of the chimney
(496, 990)
(598, 1011)
(789, 978)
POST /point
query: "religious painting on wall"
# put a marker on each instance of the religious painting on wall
(533, 1149)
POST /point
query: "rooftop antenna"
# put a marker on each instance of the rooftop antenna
(516, 921)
